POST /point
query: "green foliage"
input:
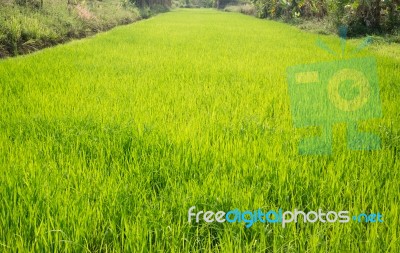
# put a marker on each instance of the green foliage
(360, 16)
(152, 3)
(27, 28)
(30, 3)
(106, 142)
(194, 3)
(12, 31)
(203, 3)
(145, 12)
(285, 9)
(248, 9)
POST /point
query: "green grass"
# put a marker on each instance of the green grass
(25, 29)
(106, 142)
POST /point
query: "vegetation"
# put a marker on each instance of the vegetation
(194, 3)
(360, 16)
(106, 142)
(245, 8)
(28, 25)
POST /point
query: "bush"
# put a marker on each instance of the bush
(29, 25)
(32, 3)
(12, 31)
(145, 12)
(158, 8)
(247, 9)
(361, 16)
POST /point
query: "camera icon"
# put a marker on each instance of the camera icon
(326, 93)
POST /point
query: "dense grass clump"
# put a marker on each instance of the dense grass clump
(106, 142)
(26, 26)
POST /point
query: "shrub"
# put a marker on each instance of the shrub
(361, 16)
(13, 30)
(29, 25)
(247, 9)
(32, 3)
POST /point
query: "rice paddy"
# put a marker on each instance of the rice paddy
(106, 142)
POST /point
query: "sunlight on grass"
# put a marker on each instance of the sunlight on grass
(106, 142)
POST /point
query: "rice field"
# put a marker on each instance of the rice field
(106, 142)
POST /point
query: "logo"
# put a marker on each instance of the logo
(249, 218)
(340, 91)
